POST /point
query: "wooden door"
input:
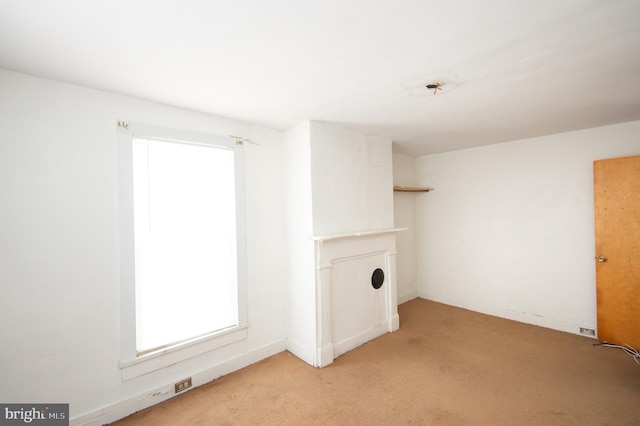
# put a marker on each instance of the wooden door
(617, 220)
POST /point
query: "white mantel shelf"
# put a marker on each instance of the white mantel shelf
(356, 234)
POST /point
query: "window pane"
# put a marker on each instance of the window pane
(185, 241)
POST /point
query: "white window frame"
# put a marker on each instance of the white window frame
(131, 363)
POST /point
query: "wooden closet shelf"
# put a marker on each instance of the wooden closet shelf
(398, 188)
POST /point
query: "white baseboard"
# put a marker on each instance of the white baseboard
(360, 339)
(304, 353)
(403, 298)
(394, 323)
(523, 317)
(124, 408)
(324, 356)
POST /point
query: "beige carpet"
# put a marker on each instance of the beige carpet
(445, 366)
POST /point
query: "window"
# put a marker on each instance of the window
(181, 234)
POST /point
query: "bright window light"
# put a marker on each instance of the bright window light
(185, 242)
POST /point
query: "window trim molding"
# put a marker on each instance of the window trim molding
(131, 364)
(132, 368)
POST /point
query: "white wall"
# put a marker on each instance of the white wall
(404, 214)
(352, 179)
(301, 290)
(336, 182)
(59, 310)
(509, 229)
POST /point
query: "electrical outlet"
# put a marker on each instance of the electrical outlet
(587, 332)
(184, 384)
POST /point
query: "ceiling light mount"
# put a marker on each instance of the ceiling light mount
(435, 87)
(431, 85)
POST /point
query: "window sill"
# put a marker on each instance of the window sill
(130, 369)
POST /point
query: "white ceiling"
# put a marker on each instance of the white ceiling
(521, 68)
